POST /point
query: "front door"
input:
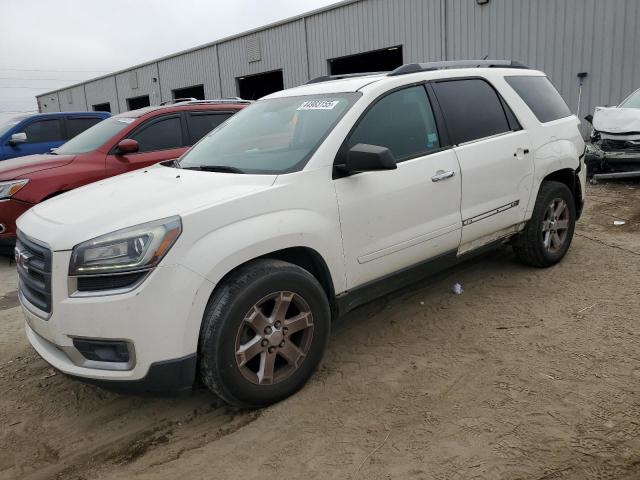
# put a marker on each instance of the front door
(395, 219)
(161, 138)
(42, 136)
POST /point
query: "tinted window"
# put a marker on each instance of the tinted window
(79, 125)
(541, 97)
(44, 131)
(160, 135)
(202, 123)
(402, 121)
(472, 109)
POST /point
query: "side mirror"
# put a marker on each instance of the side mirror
(589, 118)
(127, 146)
(367, 158)
(17, 138)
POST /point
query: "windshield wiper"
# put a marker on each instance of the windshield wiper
(216, 168)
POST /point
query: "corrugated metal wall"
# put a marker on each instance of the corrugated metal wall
(374, 25)
(194, 68)
(72, 99)
(279, 48)
(49, 102)
(561, 37)
(138, 82)
(103, 91)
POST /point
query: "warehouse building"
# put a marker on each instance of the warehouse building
(562, 37)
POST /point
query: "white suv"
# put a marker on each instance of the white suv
(233, 261)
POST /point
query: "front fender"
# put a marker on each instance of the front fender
(218, 252)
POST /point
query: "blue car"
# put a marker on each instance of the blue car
(40, 132)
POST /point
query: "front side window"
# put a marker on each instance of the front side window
(472, 109)
(633, 101)
(540, 96)
(272, 136)
(164, 134)
(44, 131)
(401, 121)
(95, 136)
(75, 126)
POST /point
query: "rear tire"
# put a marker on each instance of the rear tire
(264, 333)
(548, 234)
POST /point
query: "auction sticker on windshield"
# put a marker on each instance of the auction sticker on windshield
(319, 105)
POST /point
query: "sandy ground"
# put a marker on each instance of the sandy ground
(529, 374)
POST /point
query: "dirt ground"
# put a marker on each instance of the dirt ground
(529, 374)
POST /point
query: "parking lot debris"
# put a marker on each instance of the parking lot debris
(618, 223)
(457, 289)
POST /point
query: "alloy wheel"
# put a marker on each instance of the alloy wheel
(274, 338)
(555, 225)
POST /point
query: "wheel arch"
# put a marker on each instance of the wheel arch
(568, 177)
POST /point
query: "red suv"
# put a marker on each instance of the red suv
(117, 145)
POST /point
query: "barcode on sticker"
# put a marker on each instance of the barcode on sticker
(319, 105)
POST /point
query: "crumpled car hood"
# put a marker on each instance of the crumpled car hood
(617, 120)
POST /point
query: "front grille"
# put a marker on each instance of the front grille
(610, 145)
(34, 272)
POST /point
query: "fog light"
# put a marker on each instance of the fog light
(103, 350)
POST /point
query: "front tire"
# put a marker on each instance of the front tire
(548, 234)
(264, 333)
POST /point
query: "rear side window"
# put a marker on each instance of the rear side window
(160, 135)
(79, 125)
(202, 123)
(472, 109)
(541, 97)
(402, 121)
(44, 131)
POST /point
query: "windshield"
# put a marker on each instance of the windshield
(95, 136)
(272, 136)
(633, 101)
(9, 123)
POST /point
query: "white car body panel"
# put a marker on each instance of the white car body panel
(397, 218)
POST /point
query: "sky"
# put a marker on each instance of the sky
(48, 44)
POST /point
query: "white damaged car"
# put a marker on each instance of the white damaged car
(615, 140)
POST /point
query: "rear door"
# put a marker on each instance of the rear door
(159, 138)
(395, 219)
(202, 122)
(42, 134)
(494, 154)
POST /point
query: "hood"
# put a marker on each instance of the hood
(22, 167)
(616, 120)
(131, 199)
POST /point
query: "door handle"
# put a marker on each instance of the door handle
(524, 151)
(442, 175)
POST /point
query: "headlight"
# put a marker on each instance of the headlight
(128, 250)
(9, 189)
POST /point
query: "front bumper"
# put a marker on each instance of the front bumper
(160, 320)
(618, 160)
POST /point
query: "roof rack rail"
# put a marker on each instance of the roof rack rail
(177, 100)
(432, 66)
(328, 78)
(195, 101)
